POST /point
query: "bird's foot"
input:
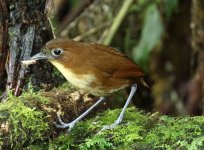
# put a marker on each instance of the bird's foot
(63, 125)
(112, 126)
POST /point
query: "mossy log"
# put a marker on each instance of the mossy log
(26, 122)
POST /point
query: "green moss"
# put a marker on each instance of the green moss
(22, 124)
(172, 133)
(138, 131)
(27, 126)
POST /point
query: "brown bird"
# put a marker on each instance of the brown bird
(97, 69)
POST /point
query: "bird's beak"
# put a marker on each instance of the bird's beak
(39, 56)
(33, 59)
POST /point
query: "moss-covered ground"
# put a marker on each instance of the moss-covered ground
(26, 122)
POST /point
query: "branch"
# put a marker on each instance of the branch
(118, 20)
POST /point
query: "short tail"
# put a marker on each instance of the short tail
(144, 83)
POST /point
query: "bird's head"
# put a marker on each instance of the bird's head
(65, 54)
(56, 50)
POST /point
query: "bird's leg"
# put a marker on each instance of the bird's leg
(132, 92)
(72, 124)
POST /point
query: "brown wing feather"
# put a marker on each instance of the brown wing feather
(120, 67)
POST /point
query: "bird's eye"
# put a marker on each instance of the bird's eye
(57, 52)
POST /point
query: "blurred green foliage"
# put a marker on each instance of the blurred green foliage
(74, 2)
(153, 27)
(170, 6)
(151, 35)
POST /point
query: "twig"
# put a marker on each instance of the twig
(76, 12)
(117, 21)
(91, 31)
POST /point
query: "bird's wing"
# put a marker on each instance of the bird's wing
(115, 63)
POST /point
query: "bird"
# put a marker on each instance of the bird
(94, 68)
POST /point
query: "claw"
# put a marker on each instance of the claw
(60, 120)
(112, 126)
(70, 125)
(109, 127)
(120, 118)
(63, 125)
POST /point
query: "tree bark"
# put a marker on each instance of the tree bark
(4, 16)
(28, 30)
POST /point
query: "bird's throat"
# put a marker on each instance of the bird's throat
(82, 81)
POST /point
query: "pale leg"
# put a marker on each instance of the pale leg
(120, 118)
(72, 124)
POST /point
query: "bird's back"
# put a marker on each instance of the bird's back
(113, 62)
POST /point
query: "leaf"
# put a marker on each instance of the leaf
(151, 35)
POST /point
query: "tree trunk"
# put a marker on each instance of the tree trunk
(28, 30)
(195, 88)
(171, 65)
(4, 16)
